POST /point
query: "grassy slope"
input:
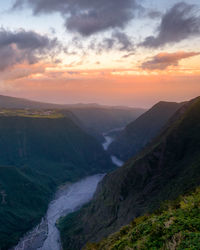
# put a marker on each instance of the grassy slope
(37, 155)
(163, 171)
(176, 225)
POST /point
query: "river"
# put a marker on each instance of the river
(108, 140)
(69, 198)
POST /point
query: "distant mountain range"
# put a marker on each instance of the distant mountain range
(22, 103)
(166, 168)
(94, 117)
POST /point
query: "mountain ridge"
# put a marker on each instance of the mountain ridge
(141, 131)
(24, 102)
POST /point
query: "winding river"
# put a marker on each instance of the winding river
(69, 198)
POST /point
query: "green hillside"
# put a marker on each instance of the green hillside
(166, 169)
(38, 153)
(176, 225)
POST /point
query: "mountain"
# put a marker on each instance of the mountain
(167, 168)
(95, 118)
(175, 225)
(141, 131)
(39, 151)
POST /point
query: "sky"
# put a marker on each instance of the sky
(132, 53)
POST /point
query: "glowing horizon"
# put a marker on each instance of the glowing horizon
(152, 54)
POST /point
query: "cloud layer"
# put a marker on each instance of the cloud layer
(23, 46)
(86, 16)
(182, 21)
(163, 60)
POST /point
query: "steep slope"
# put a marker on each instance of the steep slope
(176, 225)
(24, 196)
(138, 133)
(167, 168)
(38, 153)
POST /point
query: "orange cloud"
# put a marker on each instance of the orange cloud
(118, 86)
(163, 60)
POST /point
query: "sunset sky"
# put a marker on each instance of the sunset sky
(116, 52)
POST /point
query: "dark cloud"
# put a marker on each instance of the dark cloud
(124, 41)
(87, 16)
(117, 41)
(23, 46)
(179, 23)
(163, 60)
(128, 55)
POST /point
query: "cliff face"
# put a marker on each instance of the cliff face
(141, 131)
(27, 140)
(167, 168)
(36, 155)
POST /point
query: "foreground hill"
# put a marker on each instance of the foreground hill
(165, 169)
(141, 131)
(176, 225)
(95, 118)
(38, 152)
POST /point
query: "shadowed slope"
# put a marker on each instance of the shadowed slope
(141, 131)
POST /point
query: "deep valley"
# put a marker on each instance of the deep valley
(50, 167)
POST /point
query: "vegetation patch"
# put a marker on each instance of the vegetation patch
(176, 225)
